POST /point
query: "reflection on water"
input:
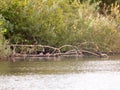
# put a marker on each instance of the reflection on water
(58, 66)
(60, 74)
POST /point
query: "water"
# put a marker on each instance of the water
(60, 74)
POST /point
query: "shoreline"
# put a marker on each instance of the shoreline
(49, 51)
(56, 55)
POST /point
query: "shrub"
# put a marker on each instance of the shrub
(4, 50)
(95, 31)
(56, 23)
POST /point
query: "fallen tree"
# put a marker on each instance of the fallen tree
(49, 51)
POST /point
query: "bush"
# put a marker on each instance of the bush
(57, 23)
(4, 50)
(34, 22)
(95, 31)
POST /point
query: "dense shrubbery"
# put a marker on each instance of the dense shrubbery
(56, 23)
(4, 50)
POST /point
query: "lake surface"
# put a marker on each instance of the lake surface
(60, 74)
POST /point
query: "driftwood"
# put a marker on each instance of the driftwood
(98, 54)
(55, 51)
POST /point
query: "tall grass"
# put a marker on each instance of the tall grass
(57, 23)
(95, 31)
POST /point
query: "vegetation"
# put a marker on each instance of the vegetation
(4, 50)
(61, 22)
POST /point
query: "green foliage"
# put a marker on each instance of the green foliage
(95, 31)
(4, 50)
(56, 23)
(35, 22)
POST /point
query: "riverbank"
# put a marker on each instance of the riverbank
(56, 23)
(58, 28)
(46, 51)
(49, 51)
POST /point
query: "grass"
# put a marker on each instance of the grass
(58, 23)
